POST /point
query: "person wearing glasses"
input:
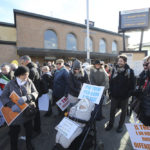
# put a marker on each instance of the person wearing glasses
(77, 76)
(60, 82)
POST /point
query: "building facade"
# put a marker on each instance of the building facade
(46, 38)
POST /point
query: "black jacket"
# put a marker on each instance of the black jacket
(122, 86)
(45, 83)
(34, 75)
(142, 78)
(144, 97)
(75, 84)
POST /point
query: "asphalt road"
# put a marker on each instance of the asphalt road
(46, 140)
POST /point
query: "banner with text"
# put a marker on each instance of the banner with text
(91, 92)
(139, 135)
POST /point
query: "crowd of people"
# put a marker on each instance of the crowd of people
(30, 81)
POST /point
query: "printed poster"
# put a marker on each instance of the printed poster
(67, 127)
(139, 135)
(63, 103)
(8, 114)
(91, 92)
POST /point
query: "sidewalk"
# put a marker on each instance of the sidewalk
(46, 140)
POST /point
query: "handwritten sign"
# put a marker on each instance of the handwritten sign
(63, 103)
(139, 135)
(67, 127)
(7, 112)
(91, 92)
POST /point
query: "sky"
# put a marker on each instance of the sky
(105, 13)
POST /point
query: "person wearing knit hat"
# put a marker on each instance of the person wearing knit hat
(77, 76)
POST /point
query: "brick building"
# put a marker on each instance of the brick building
(47, 38)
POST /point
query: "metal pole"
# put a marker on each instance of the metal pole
(87, 32)
(140, 47)
(124, 42)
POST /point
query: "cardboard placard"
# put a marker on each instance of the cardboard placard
(8, 114)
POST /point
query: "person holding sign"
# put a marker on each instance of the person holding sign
(77, 76)
(60, 82)
(121, 87)
(27, 92)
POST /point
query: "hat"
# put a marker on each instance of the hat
(66, 64)
(97, 62)
(76, 65)
(59, 61)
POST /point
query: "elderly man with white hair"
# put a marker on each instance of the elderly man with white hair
(6, 70)
(46, 86)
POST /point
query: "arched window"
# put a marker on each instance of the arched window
(114, 47)
(50, 39)
(91, 44)
(71, 42)
(102, 46)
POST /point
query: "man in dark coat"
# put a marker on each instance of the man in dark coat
(35, 77)
(121, 86)
(60, 82)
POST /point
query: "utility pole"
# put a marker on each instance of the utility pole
(87, 32)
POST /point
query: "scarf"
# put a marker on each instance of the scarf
(20, 82)
(120, 70)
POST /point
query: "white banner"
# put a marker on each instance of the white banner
(139, 135)
(67, 127)
(91, 92)
(43, 102)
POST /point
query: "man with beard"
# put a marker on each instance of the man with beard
(121, 86)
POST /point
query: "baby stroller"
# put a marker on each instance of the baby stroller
(86, 140)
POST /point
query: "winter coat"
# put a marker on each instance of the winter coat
(75, 83)
(34, 75)
(60, 83)
(45, 83)
(98, 77)
(27, 90)
(142, 78)
(144, 97)
(122, 83)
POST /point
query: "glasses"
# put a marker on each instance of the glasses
(58, 63)
(145, 64)
(76, 69)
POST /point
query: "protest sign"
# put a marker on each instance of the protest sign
(43, 102)
(2, 121)
(8, 114)
(91, 92)
(139, 135)
(67, 127)
(63, 103)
